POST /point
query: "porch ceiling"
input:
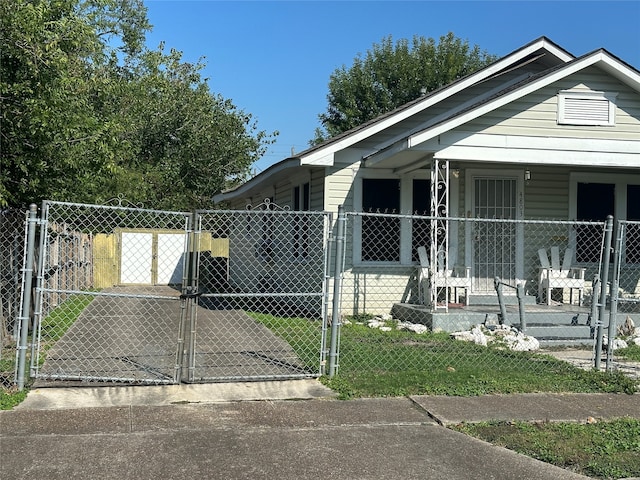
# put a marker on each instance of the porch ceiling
(401, 160)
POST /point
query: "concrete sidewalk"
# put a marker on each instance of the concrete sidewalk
(253, 431)
(445, 410)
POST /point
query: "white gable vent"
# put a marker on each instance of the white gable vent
(586, 108)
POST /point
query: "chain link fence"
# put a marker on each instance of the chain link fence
(129, 295)
(629, 267)
(625, 295)
(12, 251)
(414, 287)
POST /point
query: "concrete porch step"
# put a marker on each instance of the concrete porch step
(551, 318)
(565, 342)
(479, 300)
(555, 332)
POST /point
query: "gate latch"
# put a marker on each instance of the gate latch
(187, 295)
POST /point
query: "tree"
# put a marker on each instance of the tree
(88, 113)
(43, 84)
(183, 143)
(392, 74)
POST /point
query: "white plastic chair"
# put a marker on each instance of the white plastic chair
(451, 279)
(556, 275)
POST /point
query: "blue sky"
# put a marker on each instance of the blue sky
(273, 59)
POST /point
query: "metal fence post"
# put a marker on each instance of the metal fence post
(497, 283)
(606, 253)
(192, 292)
(337, 291)
(37, 310)
(325, 293)
(613, 310)
(26, 298)
(521, 297)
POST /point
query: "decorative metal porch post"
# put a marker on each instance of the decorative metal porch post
(439, 224)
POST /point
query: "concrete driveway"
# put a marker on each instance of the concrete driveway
(131, 336)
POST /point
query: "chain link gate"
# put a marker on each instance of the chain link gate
(128, 295)
(109, 306)
(259, 297)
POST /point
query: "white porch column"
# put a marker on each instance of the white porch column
(439, 223)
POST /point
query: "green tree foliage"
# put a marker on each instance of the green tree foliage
(182, 144)
(392, 74)
(88, 113)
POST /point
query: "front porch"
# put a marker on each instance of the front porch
(559, 324)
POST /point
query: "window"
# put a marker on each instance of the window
(301, 203)
(632, 244)
(587, 246)
(380, 235)
(385, 232)
(586, 108)
(265, 250)
(593, 198)
(421, 205)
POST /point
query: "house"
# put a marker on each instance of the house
(539, 134)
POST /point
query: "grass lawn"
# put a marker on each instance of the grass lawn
(53, 328)
(630, 353)
(302, 334)
(375, 363)
(600, 449)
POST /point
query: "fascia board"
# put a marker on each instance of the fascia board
(532, 142)
(540, 157)
(621, 71)
(257, 180)
(320, 158)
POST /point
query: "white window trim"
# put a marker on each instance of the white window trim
(610, 97)
(406, 204)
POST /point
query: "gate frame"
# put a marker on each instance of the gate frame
(40, 290)
(185, 337)
(193, 290)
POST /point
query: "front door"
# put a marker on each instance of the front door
(496, 248)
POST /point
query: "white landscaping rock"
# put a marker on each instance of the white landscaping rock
(375, 323)
(510, 337)
(413, 327)
(617, 343)
(476, 335)
(521, 343)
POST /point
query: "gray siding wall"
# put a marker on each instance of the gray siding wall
(317, 189)
(445, 107)
(536, 114)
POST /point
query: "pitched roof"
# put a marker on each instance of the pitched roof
(560, 63)
(536, 49)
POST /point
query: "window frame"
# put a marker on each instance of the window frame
(620, 182)
(301, 202)
(406, 205)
